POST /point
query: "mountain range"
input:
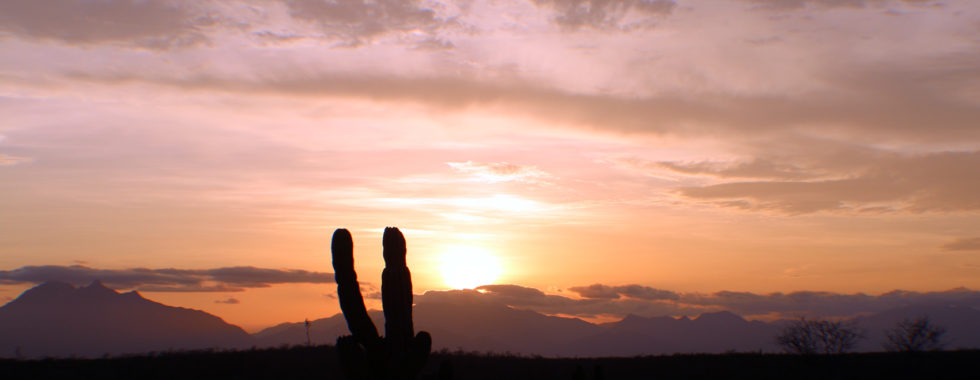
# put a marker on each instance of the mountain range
(499, 328)
(57, 319)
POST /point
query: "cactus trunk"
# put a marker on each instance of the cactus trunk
(365, 355)
(349, 291)
(396, 293)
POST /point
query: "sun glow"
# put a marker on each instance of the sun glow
(465, 267)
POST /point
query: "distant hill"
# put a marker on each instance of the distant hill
(498, 328)
(56, 319)
(322, 331)
(710, 332)
(472, 327)
(962, 324)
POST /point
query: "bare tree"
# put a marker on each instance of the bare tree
(837, 337)
(915, 335)
(813, 336)
(798, 337)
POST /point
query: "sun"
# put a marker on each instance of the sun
(466, 267)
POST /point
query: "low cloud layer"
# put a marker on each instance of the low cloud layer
(622, 300)
(229, 279)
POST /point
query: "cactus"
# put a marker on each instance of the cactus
(400, 354)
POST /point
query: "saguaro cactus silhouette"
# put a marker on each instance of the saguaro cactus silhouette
(400, 354)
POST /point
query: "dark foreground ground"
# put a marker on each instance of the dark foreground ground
(321, 363)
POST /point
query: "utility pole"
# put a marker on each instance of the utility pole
(309, 342)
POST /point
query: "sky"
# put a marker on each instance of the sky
(591, 158)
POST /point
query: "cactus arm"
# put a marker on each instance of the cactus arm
(349, 291)
(418, 352)
(396, 293)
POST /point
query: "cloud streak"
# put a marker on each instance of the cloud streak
(756, 168)
(937, 182)
(963, 244)
(227, 279)
(229, 301)
(494, 172)
(8, 160)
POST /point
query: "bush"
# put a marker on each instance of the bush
(914, 336)
(818, 336)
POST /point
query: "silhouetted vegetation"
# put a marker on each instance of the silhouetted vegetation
(817, 336)
(400, 354)
(915, 335)
(321, 362)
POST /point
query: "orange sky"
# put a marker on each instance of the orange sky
(693, 146)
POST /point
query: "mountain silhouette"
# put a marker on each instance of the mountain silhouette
(322, 331)
(499, 328)
(57, 319)
(475, 327)
(962, 324)
(709, 332)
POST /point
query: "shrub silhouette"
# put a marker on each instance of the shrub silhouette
(915, 335)
(365, 355)
(812, 336)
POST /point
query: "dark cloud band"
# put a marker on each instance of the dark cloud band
(606, 14)
(228, 279)
(623, 300)
(155, 25)
(629, 291)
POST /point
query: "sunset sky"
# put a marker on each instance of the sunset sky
(605, 156)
